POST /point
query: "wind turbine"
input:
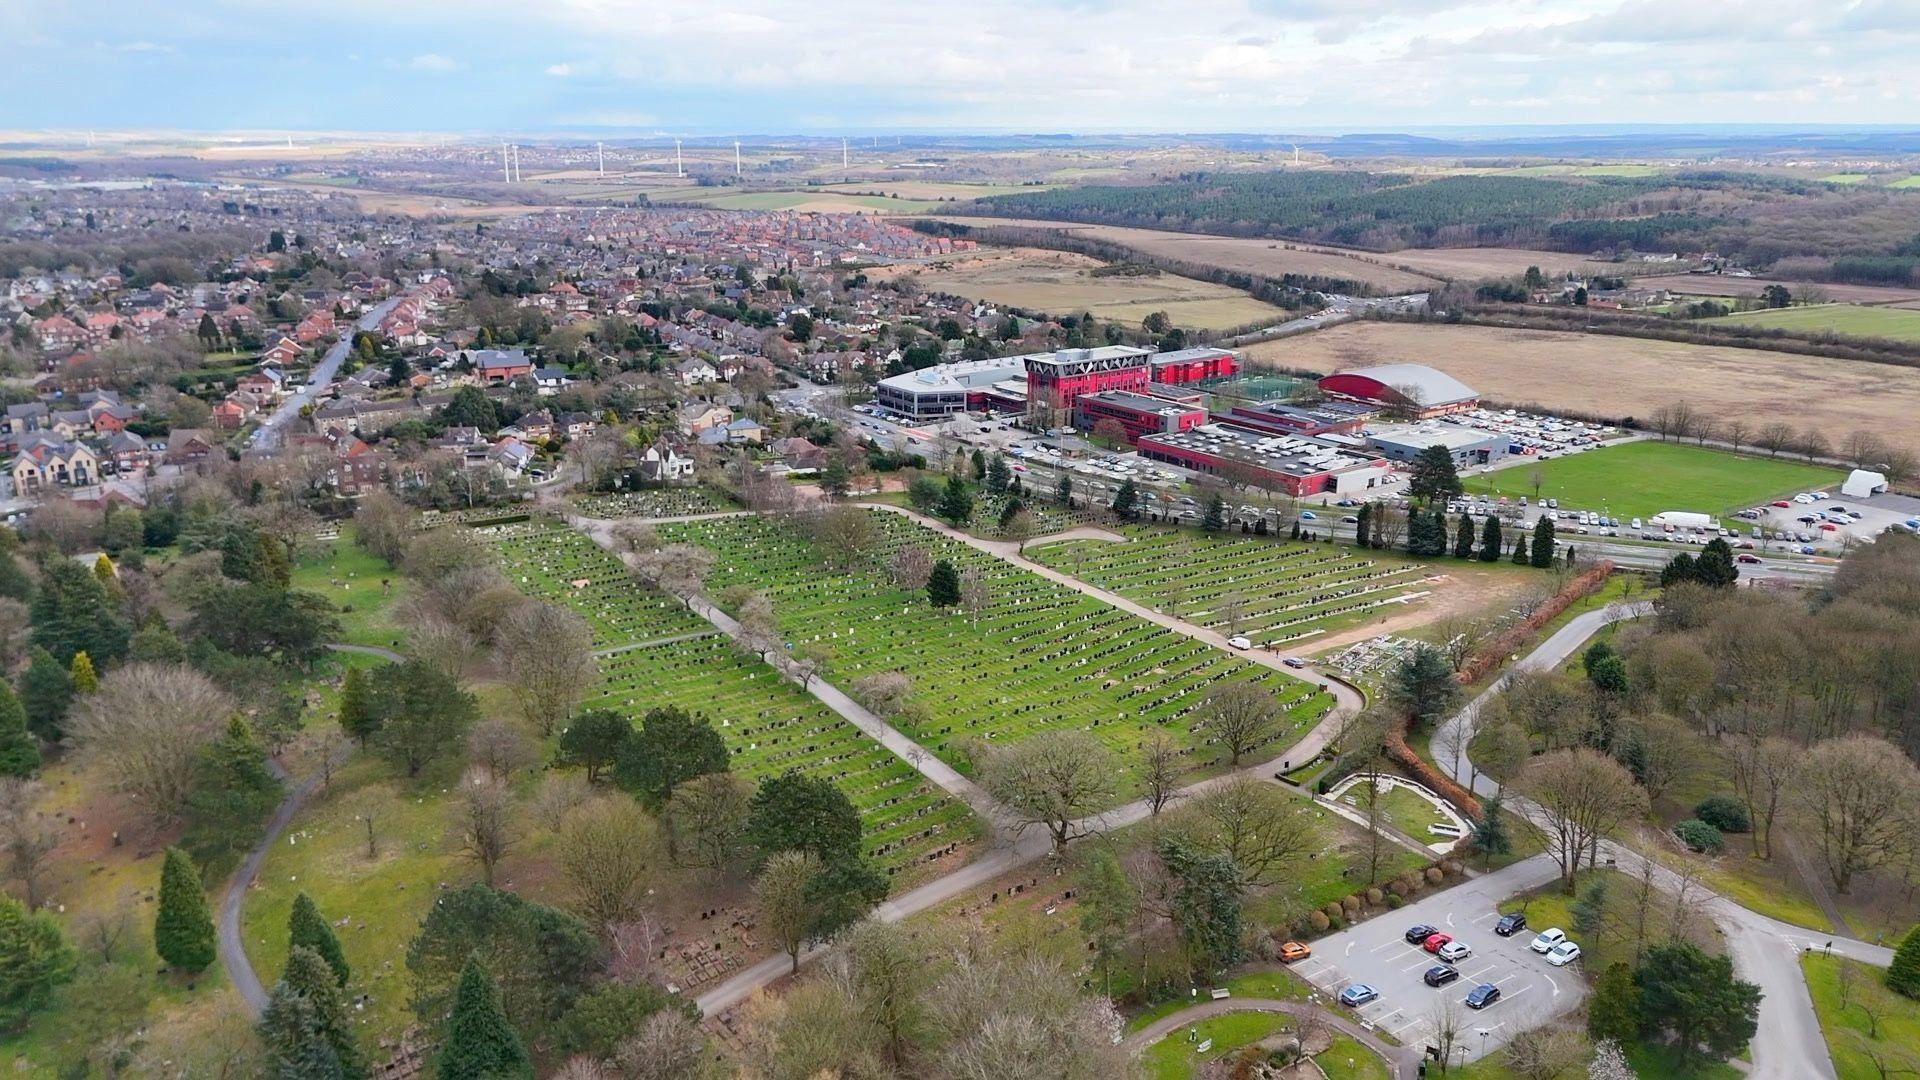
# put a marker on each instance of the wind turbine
(1296, 153)
(600, 151)
(679, 167)
(843, 152)
(506, 166)
(736, 157)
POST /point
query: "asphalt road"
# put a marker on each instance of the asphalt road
(1765, 951)
(270, 432)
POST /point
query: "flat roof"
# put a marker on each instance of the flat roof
(961, 375)
(1181, 356)
(1289, 454)
(1142, 402)
(1432, 433)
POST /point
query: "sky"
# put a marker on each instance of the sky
(646, 67)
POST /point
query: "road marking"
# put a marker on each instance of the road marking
(1482, 971)
(1449, 918)
(1378, 948)
(1422, 965)
(1555, 985)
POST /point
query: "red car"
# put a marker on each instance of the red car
(1828, 526)
(1783, 503)
(1749, 558)
(1433, 943)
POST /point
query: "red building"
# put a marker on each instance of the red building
(1058, 380)
(1414, 389)
(1193, 365)
(1326, 418)
(1300, 467)
(1140, 414)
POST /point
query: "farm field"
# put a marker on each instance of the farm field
(770, 724)
(1062, 283)
(819, 201)
(1906, 182)
(1272, 258)
(1276, 592)
(1722, 285)
(1621, 376)
(1472, 263)
(1641, 479)
(933, 190)
(1036, 657)
(1853, 319)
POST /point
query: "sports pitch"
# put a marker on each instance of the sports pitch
(1641, 479)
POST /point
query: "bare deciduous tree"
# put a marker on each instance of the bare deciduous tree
(1762, 770)
(485, 823)
(1053, 782)
(1586, 796)
(547, 654)
(707, 816)
(27, 837)
(501, 747)
(1160, 770)
(1857, 793)
(144, 729)
(679, 570)
(1241, 715)
(910, 567)
(884, 693)
(606, 849)
(1261, 828)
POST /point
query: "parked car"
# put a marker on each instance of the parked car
(1510, 924)
(1358, 994)
(1455, 951)
(1783, 503)
(1563, 954)
(1240, 642)
(1293, 662)
(1433, 943)
(1746, 558)
(1808, 549)
(1547, 939)
(1440, 975)
(1420, 933)
(1295, 950)
(1482, 996)
(1308, 515)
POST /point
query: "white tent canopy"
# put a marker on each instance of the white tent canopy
(1861, 484)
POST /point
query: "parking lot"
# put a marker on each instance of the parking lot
(1375, 952)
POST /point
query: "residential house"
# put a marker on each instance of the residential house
(663, 463)
(45, 462)
(578, 425)
(694, 370)
(26, 417)
(500, 365)
(698, 416)
(549, 381)
(188, 446)
(129, 453)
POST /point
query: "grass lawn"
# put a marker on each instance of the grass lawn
(1273, 590)
(1850, 319)
(1874, 1023)
(1175, 1057)
(1641, 479)
(351, 579)
(1034, 657)
(1347, 1059)
(770, 724)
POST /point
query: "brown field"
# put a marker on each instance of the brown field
(1719, 285)
(1472, 264)
(1060, 283)
(1269, 257)
(1627, 376)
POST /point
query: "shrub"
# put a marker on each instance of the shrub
(1451, 867)
(1395, 901)
(1351, 906)
(1319, 921)
(1434, 876)
(1699, 836)
(1723, 812)
(1335, 923)
(1397, 889)
(1375, 897)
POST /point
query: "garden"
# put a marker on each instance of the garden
(1027, 656)
(1272, 591)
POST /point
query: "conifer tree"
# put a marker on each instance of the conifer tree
(19, 754)
(480, 1043)
(943, 585)
(81, 674)
(1490, 540)
(321, 1033)
(1543, 542)
(183, 927)
(1360, 528)
(306, 929)
(1903, 975)
(46, 691)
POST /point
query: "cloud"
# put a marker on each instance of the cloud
(433, 62)
(561, 71)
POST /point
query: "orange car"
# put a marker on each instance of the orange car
(1294, 950)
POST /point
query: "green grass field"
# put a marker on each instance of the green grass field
(1035, 657)
(1906, 182)
(1850, 319)
(351, 579)
(1176, 1057)
(1875, 1023)
(1640, 479)
(770, 724)
(1845, 178)
(1274, 591)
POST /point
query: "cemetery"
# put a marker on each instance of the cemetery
(769, 724)
(1274, 592)
(652, 503)
(1020, 656)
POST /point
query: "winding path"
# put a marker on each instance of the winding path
(233, 950)
(1167, 1025)
(1765, 951)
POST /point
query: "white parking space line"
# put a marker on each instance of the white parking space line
(1475, 974)
(1387, 945)
(1420, 965)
